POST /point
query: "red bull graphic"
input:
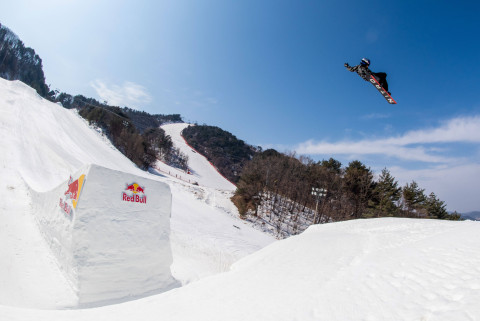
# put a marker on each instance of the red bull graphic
(134, 193)
(72, 194)
(72, 191)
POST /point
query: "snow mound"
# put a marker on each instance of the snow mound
(377, 269)
(109, 231)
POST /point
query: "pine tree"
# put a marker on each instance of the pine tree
(413, 199)
(359, 185)
(332, 165)
(435, 207)
(388, 194)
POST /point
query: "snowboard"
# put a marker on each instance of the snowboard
(382, 91)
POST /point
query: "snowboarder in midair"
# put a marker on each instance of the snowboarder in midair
(363, 71)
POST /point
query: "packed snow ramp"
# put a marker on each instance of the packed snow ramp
(109, 231)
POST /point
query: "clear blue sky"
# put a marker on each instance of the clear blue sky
(271, 72)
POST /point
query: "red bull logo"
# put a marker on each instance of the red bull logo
(134, 193)
(72, 194)
(72, 191)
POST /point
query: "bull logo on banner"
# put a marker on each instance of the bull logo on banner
(134, 193)
(72, 194)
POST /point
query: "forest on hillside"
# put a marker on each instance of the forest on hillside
(278, 188)
(272, 186)
(225, 151)
(18, 62)
(144, 147)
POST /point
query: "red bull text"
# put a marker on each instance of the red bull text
(134, 193)
(65, 207)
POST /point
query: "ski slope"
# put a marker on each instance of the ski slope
(202, 171)
(42, 145)
(377, 269)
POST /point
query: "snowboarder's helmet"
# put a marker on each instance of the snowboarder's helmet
(365, 62)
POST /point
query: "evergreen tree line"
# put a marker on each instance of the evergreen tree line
(284, 183)
(227, 153)
(136, 134)
(18, 62)
(142, 148)
(143, 120)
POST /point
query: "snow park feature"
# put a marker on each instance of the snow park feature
(108, 239)
(43, 144)
(371, 269)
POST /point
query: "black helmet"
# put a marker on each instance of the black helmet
(365, 62)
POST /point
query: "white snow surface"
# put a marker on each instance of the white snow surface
(109, 249)
(377, 269)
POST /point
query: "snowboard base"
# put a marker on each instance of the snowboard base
(382, 91)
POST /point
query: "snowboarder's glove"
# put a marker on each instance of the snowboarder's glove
(346, 65)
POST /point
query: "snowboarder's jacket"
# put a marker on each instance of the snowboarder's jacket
(361, 70)
(365, 73)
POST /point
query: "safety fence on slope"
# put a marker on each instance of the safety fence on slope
(176, 175)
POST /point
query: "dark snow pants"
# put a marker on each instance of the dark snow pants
(382, 79)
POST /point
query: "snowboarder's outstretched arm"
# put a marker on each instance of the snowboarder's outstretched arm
(361, 70)
(352, 69)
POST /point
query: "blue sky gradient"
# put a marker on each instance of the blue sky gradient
(271, 72)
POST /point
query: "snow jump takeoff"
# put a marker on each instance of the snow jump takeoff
(377, 79)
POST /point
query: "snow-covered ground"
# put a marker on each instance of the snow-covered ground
(42, 144)
(379, 269)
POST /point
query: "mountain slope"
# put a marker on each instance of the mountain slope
(377, 269)
(21, 63)
(474, 216)
(42, 144)
(202, 171)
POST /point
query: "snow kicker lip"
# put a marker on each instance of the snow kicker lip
(112, 232)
